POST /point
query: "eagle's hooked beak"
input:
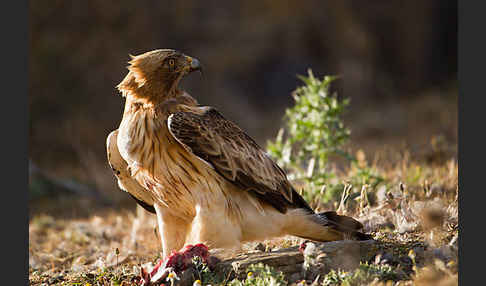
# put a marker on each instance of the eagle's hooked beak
(194, 65)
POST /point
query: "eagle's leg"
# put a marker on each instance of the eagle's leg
(173, 230)
(214, 229)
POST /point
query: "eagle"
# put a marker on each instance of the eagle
(206, 180)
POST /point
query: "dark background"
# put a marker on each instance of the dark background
(397, 61)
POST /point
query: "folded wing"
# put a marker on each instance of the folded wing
(125, 181)
(235, 156)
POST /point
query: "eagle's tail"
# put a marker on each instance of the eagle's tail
(348, 226)
(326, 226)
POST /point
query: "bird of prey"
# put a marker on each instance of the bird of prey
(204, 177)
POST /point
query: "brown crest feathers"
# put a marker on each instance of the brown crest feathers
(144, 79)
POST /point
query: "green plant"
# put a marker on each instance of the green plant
(314, 131)
(260, 275)
(363, 275)
(204, 274)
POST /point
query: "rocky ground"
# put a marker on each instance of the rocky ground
(414, 228)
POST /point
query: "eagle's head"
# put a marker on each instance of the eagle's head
(156, 74)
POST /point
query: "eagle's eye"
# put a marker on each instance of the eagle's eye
(171, 63)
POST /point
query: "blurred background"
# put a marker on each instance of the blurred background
(397, 61)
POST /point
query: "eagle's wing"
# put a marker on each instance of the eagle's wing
(235, 156)
(125, 181)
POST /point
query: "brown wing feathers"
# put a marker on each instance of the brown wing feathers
(235, 156)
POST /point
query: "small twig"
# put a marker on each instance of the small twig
(364, 202)
(426, 187)
(323, 190)
(402, 187)
(344, 198)
(228, 276)
(310, 168)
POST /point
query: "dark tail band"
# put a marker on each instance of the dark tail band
(344, 224)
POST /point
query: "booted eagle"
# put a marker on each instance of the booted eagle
(205, 178)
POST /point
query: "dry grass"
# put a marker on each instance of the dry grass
(417, 210)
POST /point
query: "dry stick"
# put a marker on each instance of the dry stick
(321, 194)
(426, 187)
(344, 198)
(364, 202)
